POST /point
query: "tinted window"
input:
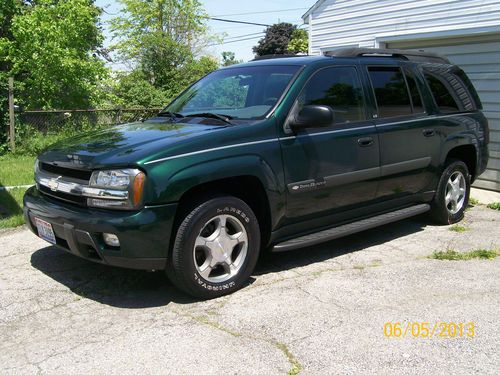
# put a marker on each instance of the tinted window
(416, 99)
(443, 97)
(390, 91)
(338, 88)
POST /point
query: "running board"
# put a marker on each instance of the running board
(347, 229)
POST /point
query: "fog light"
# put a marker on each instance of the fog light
(111, 239)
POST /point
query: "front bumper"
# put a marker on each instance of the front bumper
(144, 235)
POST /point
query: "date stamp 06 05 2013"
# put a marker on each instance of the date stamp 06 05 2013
(429, 330)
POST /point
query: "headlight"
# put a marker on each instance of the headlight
(116, 189)
(113, 179)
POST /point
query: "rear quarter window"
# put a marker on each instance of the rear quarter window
(443, 96)
(451, 88)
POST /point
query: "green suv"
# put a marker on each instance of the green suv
(279, 154)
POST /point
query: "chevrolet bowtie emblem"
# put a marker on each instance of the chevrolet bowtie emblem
(54, 184)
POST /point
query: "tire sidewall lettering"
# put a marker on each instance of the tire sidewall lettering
(234, 211)
(212, 287)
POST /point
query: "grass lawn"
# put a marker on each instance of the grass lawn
(16, 170)
(11, 208)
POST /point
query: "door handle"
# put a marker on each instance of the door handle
(428, 132)
(365, 142)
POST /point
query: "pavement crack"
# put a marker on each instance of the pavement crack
(295, 366)
(310, 294)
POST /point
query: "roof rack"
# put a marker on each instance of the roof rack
(410, 55)
(276, 56)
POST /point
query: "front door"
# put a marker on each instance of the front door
(332, 169)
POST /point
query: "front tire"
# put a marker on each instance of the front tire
(216, 248)
(452, 195)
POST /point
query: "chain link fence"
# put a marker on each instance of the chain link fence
(53, 121)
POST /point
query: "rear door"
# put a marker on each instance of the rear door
(332, 169)
(409, 141)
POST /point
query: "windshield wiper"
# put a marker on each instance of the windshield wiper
(223, 118)
(172, 115)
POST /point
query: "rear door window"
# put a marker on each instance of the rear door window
(391, 92)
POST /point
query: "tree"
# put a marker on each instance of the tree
(276, 40)
(131, 89)
(52, 52)
(229, 58)
(161, 40)
(8, 9)
(299, 43)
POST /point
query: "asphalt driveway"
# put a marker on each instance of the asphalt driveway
(320, 310)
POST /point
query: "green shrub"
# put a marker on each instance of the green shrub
(31, 141)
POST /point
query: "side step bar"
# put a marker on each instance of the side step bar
(347, 229)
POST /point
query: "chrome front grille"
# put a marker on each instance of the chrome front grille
(72, 185)
(79, 200)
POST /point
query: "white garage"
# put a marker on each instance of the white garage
(466, 31)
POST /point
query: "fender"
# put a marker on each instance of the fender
(457, 140)
(171, 189)
(474, 132)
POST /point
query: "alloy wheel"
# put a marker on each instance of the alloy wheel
(220, 248)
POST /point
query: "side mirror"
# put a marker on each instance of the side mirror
(313, 116)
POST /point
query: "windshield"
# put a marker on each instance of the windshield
(240, 93)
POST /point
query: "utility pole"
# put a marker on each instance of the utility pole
(11, 115)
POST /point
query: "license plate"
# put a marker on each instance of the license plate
(45, 230)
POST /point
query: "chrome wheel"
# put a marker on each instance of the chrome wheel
(220, 249)
(455, 192)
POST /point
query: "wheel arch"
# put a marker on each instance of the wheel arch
(248, 178)
(468, 154)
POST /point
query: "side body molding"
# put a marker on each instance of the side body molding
(360, 175)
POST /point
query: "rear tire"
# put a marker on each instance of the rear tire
(452, 195)
(216, 248)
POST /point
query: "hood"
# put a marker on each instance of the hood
(123, 144)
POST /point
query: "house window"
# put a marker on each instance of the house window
(340, 89)
(390, 91)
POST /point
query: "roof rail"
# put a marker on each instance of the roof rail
(276, 56)
(410, 55)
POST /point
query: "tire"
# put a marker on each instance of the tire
(452, 195)
(216, 248)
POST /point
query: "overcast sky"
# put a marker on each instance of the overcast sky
(263, 11)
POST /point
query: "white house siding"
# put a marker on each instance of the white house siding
(467, 31)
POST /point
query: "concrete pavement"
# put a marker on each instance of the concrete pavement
(320, 310)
